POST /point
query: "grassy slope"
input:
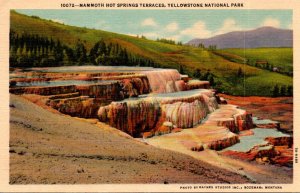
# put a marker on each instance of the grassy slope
(259, 82)
(278, 57)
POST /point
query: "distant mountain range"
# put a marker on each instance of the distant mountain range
(260, 37)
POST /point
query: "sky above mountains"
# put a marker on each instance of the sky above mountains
(179, 25)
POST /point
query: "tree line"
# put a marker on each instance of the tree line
(267, 66)
(168, 41)
(282, 90)
(28, 50)
(210, 47)
(205, 76)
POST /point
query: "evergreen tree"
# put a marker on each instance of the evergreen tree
(211, 80)
(290, 90)
(80, 53)
(283, 90)
(58, 52)
(240, 72)
(206, 75)
(275, 92)
(181, 69)
(197, 73)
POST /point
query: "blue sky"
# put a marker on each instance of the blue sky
(179, 25)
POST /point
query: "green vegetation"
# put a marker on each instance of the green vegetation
(273, 59)
(167, 41)
(232, 76)
(29, 50)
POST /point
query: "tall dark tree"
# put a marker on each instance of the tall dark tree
(290, 90)
(197, 73)
(211, 80)
(80, 53)
(275, 92)
(181, 69)
(240, 72)
(283, 90)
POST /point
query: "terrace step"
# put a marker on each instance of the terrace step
(63, 96)
(215, 132)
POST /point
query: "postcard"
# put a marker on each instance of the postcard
(149, 96)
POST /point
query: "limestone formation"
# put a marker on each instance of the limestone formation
(142, 102)
(110, 91)
(135, 116)
(50, 90)
(78, 106)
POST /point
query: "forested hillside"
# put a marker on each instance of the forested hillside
(39, 42)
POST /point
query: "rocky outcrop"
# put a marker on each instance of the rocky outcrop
(228, 123)
(117, 86)
(136, 116)
(277, 151)
(132, 84)
(213, 133)
(265, 123)
(109, 91)
(163, 80)
(231, 117)
(186, 114)
(197, 84)
(82, 106)
(134, 87)
(185, 78)
(132, 117)
(243, 120)
(258, 153)
(220, 129)
(49, 90)
(280, 141)
(226, 141)
(64, 96)
(143, 103)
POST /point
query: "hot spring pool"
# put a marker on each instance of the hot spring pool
(248, 142)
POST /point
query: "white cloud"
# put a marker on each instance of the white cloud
(229, 25)
(149, 22)
(172, 27)
(271, 22)
(58, 20)
(151, 35)
(198, 30)
(174, 37)
(131, 34)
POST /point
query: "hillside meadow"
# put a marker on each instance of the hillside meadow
(231, 76)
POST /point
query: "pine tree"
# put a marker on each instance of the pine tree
(181, 69)
(275, 92)
(290, 90)
(240, 72)
(197, 73)
(206, 76)
(211, 80)
(283, 90)
(80, 53)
